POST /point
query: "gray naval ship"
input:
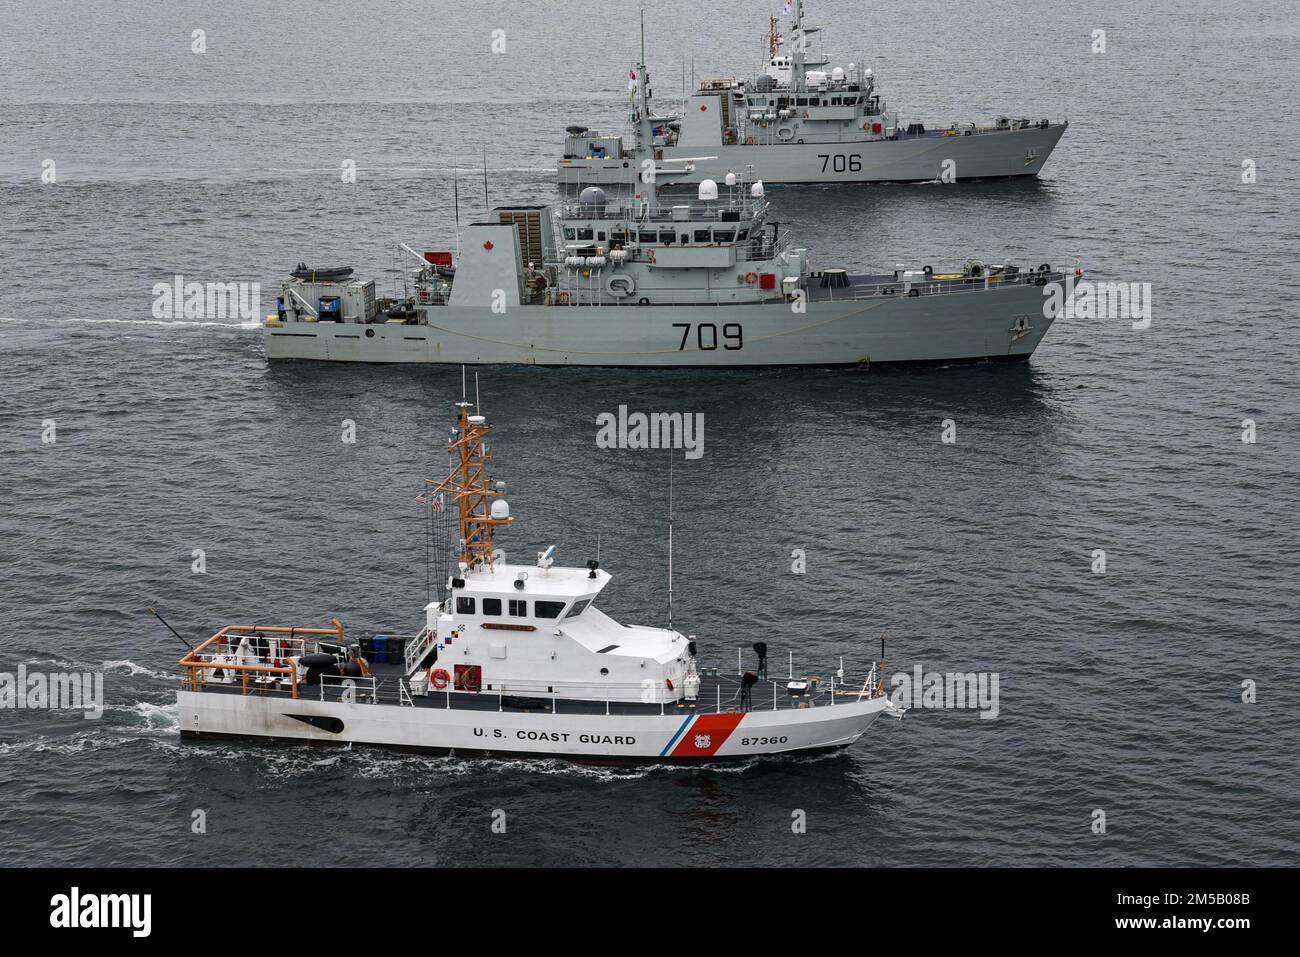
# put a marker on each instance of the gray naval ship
(799, 122)
(640, 282)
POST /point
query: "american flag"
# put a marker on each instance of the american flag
(423, 499)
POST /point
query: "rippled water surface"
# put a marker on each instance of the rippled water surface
(1119, 692)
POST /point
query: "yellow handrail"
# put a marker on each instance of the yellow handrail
(197, 667)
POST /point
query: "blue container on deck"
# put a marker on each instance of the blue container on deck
(380, 643)
(329, 308)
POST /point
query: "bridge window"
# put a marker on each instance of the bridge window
(742, 234)
(578, 608)
(701, 235)
(667, 236)
(584, 234)
(724, 236)
(646, 237)
(518, 608)
(569, 234)
(464, 606)
(548, 609)
(492, 606)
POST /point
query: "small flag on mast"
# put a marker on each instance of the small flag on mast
(423, 499)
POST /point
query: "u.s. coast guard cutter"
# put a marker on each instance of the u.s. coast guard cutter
(798, 122)
(516, 660)
(645, 282)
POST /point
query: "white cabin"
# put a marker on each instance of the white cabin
(534, 630)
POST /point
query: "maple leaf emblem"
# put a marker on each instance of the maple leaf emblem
(488, 245)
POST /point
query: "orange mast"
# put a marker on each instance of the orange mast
(473, 490)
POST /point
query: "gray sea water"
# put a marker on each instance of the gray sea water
(1119, 692)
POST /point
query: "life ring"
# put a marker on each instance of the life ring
(867, 126)
(751, 278)
(749, 141)
(438, 677)
(562, 298)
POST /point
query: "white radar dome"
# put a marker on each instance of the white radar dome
(500, 508)
(731, 179)
(708, 189)
(756, 190)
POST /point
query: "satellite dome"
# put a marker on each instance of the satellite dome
(731, 179)
(757, 190)
(837, 73)
(592, 196)
(500, 508)
(708, 189)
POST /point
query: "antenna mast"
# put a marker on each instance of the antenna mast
(645, 140)
(670, 539)
(472, 489)
(455, 186)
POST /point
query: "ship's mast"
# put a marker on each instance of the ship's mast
(473, 489)
(798, 47)
(645, 141)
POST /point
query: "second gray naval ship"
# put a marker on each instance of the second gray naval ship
(640, 282)
(798, 122)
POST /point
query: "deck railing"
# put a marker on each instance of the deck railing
(213, 655)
